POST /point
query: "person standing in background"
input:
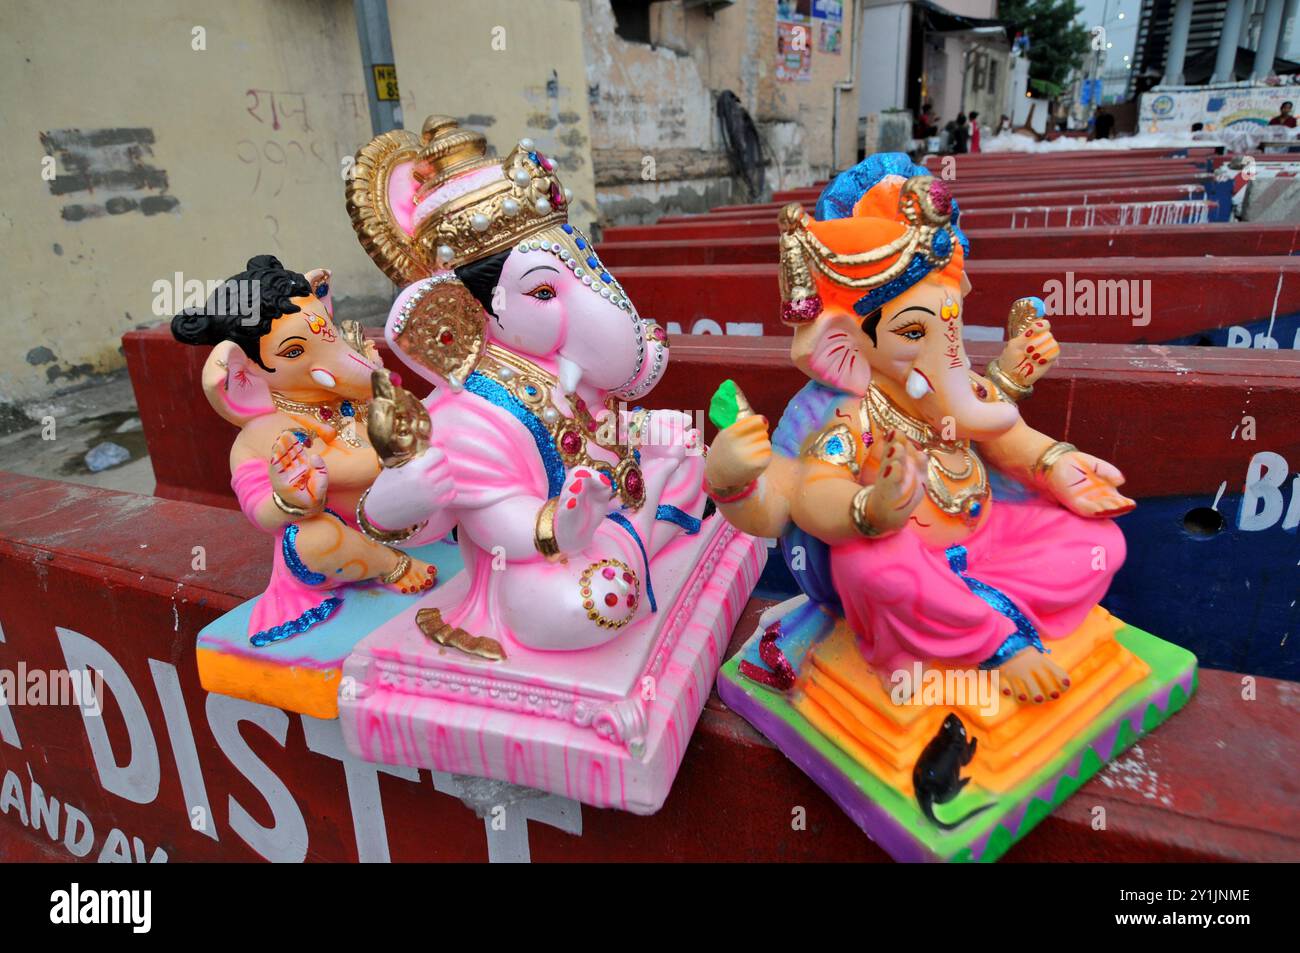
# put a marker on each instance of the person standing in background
(1285, 116)
(960, 134)
(974, 131)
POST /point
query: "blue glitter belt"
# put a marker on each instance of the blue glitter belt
(1024, 636)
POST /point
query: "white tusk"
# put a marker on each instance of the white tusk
(917, 385)
(323, 377)
(570, 375)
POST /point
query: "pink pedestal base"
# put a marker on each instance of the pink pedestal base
(607, 726)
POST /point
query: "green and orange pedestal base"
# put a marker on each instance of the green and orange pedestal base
(840, 726)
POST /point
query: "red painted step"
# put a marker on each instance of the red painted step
(1004, 199)
(1235, 239)
(115, 573)
(189, 444)
(1242, 290)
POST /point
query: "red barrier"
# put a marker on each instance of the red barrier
(964, 190)
(109, 579)
(720, 227)
(999, 198)
(189, 444)
(1238, 238)
(1243, 290)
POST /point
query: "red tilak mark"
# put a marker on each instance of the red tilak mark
(837, 335)
(575, 486)
(782, 675)
(571, 504)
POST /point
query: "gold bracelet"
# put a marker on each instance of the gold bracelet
(400, 570)
(289, 509)
(1003, 382)
(544, 533)
(1049, 457)
(858, 513)
(383, 535)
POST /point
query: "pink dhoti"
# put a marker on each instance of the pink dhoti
(1033, 570)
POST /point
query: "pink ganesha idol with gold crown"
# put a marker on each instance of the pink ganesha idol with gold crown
(575, 650)
(948, 675)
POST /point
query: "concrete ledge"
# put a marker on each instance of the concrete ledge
(114, 572)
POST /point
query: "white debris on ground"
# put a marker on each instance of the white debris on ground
(1014, 142)
(1131, 772)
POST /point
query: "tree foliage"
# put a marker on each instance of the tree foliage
(1057, 40)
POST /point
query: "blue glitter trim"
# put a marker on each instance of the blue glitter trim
(623, 521)
(1014, 643)
(293, 627)
(482, 385)
(1025, 634)
(916, 269)
(673, 514)
(294, 561)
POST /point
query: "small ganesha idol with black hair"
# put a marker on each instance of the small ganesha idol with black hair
(576, 649)
(298, 387)
(948, 675)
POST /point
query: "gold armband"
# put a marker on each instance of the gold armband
(858, 512)
(836, 445)
(544, 534)
(1049, 457)
(1002, 381)
(383, 535)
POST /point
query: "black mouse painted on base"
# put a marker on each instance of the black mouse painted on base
(937, 779)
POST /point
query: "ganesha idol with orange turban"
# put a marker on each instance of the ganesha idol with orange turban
(948, 675)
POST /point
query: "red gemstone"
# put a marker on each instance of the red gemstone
(611, 600)
(627, 577)
(608, 572)
(634, 484)
(570, 443)
(631, 602)
(591, 425)
(326, 413)
(446, 337)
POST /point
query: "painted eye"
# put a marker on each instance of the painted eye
(542, 293)
(295, 351)
(322, 289)
(913, 332)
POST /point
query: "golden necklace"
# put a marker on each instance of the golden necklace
(533, 388)
(967, 503)
(335, 416)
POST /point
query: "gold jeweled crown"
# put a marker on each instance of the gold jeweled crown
(526, 199)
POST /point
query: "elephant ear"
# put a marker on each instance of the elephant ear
(439, 330)
(829, 351)
(235, 386)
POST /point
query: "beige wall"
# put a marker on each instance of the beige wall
(250, 134)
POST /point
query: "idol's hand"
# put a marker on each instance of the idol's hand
(1088, 485)
(298, 475)
(899, 486)
(1030, 354)
(740, 454)
(409, 494)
